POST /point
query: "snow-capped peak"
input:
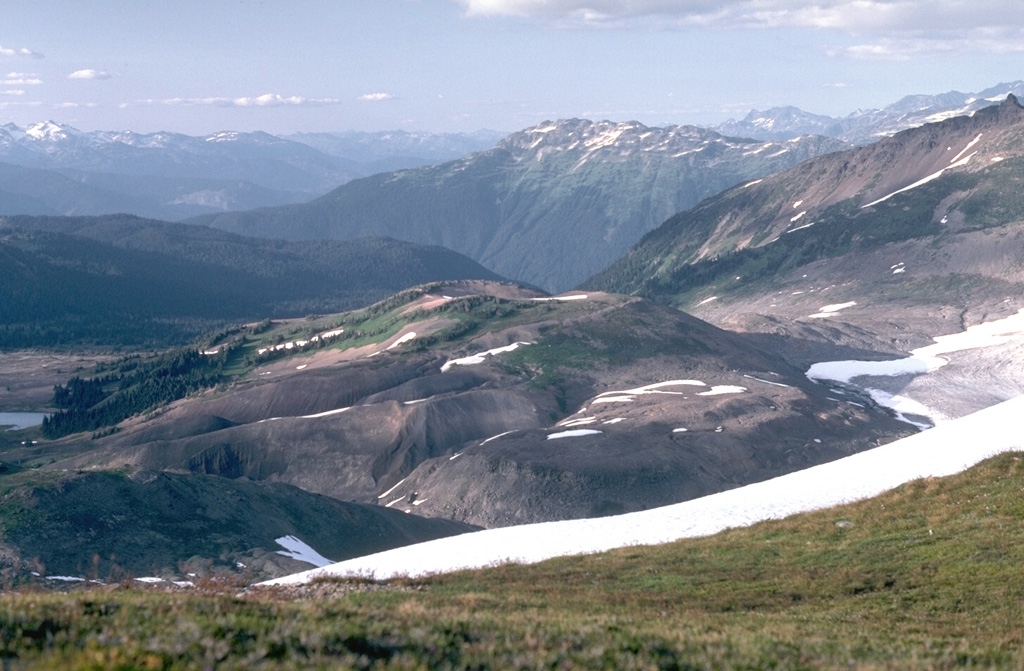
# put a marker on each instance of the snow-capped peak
(50, 131)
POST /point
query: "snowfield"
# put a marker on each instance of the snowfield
(944, 450)
(921, 361)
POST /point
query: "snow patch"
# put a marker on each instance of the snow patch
(494, 438)
(393, 488)
(829, 310)
(774, 384)
(921, 361)
(404, 339)
(720, 389)
(327, 413)
(942, 451)
(573, 297)
(708, 300)
(296, 549)
(964, 150)
(574, 433)
(961, 162)
(474, 359)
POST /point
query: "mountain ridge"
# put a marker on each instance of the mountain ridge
(523, 207)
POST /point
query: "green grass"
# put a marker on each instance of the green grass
(929, 576)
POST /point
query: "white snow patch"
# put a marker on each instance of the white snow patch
(327, 413)
(720, 389)
(393, 488)
(494, 438)
(997, 159)
(149, 579)
(774, 384)
(573, 297)
(474, 359)
(756, 181)
(63, 578)
(296, 549)
(708, 300)
(899, 270)
(613, 399)
(654, 388)
(925, 180)
(582, 421)
(797, 204)
(797, 218)
(922, 360)
(829, 310)
(573, 433)
(964, 150)
(455, 456)
(945, 450)
(404, 339)
(616, 420)
(681, 430)
(303, 366)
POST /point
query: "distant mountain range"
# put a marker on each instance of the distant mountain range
(54, 169)
(548, 205)
(866, 126)
(493, 404)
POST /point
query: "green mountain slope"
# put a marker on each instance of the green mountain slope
(924, 577)
(927, 222)
(111, 525)
(548, 206)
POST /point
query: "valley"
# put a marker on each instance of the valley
(231, 409)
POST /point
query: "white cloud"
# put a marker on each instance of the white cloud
(89, 74)
(21, 79)
(24, 53)
(265, 100)
(376, 97)
(74, 105)
(14, 92)
(892, 29)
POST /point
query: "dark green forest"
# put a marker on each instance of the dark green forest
(121, 280)
(130, 386)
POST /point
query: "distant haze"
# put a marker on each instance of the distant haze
(462, 65)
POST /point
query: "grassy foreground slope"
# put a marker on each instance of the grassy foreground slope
(925, 576)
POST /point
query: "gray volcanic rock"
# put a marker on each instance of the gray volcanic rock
(445, 429)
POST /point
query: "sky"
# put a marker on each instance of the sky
(287, 66)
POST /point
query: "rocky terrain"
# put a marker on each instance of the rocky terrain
(914, 237)
(547, 409)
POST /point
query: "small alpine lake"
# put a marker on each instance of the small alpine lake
(20, 420)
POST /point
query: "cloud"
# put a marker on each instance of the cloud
(89, 74)
(21, 79)
(14, 53)
(74, 105)
(265, 100)
(376, 97)
(892, 29)
(14, 92)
